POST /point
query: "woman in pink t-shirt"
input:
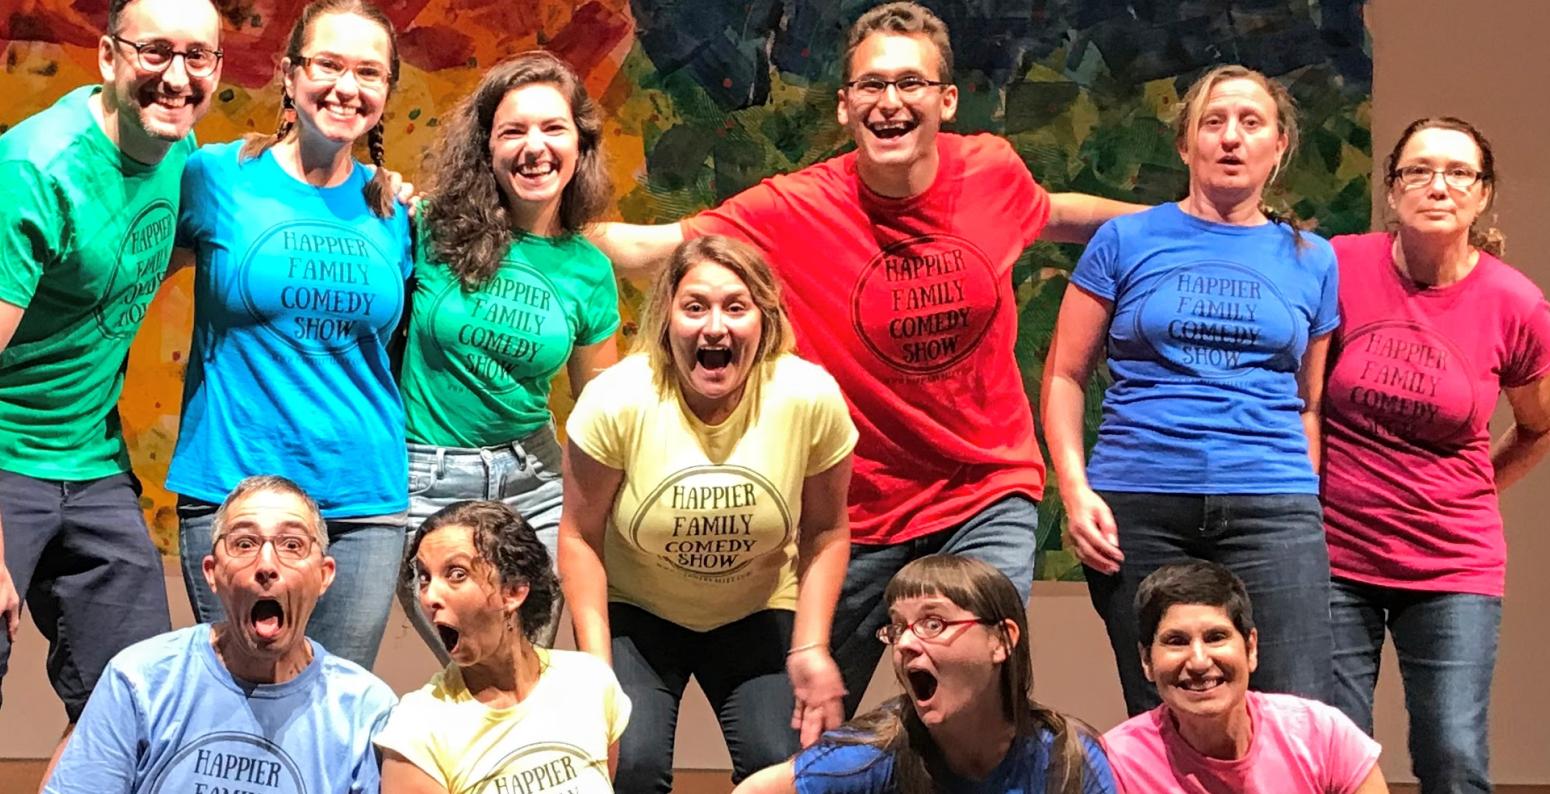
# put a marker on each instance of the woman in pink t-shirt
(1435, 329)
(1211, 734)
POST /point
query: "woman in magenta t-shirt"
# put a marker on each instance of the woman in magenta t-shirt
(1435, 328)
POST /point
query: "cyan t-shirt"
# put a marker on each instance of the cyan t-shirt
(479, 362)
(1209, 328)
(167, 716)
(828, 768)
(297, 291)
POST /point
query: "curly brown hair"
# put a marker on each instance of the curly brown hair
(466, 214)
(510, 551)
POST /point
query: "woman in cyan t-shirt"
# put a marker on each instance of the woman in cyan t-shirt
(505, 715)
(967, 721)
(1215, 316)
(301, 255)
(507, 293)
(704, 531)
(1435, 329)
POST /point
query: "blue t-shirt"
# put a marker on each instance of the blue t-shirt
(297, 291)
(828, 768)
(1209, 328)
(167, 716)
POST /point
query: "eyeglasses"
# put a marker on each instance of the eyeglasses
(1458, 177)
(909, 86)
(156, 56)
(326, 69)
(927, 628)
(245, 545)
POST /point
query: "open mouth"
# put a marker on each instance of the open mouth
(1202, 685)
(922, 684)
(341, 111)
(713, 357)
(268, 618)
(449, 636)
(893, 128)
(537, 170)
(1229, 160)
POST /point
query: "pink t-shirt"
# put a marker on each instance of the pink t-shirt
(1415, 373)
(909, 304)
(1300, 746)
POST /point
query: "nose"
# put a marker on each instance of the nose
(176, 74)
(1198, 658)
(715, 323)
(431, 597)
(349, 88)
(1232, 134)
(266, 566)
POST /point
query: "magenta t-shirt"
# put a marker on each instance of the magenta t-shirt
(1409, 490)
(1300, 746)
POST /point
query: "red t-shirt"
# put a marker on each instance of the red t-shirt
(1409, 490)
(908, 303)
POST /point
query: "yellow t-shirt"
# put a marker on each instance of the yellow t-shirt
(556, 739)
(704, 529)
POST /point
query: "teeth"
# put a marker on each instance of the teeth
(537, 169)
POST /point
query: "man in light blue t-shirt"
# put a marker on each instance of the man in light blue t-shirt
(248, 704)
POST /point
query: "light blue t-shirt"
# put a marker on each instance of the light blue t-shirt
(1209, 328)
(828, 768)
(297, 291)
(167, 716)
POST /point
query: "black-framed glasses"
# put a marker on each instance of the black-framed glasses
(927, 628)
(909, 86)
(327, 69)
(156, 56)
(1458, 177)
(246, 545)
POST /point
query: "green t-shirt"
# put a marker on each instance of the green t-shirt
(85, 237)
(478, 364)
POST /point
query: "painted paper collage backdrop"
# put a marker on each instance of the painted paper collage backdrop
(705, 97)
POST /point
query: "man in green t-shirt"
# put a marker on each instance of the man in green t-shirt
(86, 231)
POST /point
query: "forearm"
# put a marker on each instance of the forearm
(821, 564)
(1313, 428)
(1516, 453)
(1062, 407)
(636, 250)
(585, 583)
(1075, 216)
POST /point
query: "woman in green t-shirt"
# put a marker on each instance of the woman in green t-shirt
(507, 293)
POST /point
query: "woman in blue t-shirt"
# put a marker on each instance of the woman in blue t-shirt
(1216, 315)
(967, 721)
(301, 257)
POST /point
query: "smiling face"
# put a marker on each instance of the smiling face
(1436, 207)
(891, 130)
(1236, 142)
(340, 109)
(160, 106)
(268, 596)
(458, 594)
(714, 331)
(1200, 662)
(534, 147)
(955, 673)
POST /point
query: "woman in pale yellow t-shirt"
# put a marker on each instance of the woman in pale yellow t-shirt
(505, 715)
(704, 531)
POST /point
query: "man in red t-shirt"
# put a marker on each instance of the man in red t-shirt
(896, 263)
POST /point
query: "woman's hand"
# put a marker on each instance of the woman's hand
(1091, 530)
(819, 690)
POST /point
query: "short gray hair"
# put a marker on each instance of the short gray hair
(278, 484)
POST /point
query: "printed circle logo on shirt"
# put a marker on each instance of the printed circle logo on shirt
(712, 521)
(921, 304)
(1215, 319)
(142, 264)
(321, 287)
(547, 768)
(1403, 380)
(512, 329)
(229, 763)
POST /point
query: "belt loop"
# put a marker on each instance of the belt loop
(440, 466)
(519, 453)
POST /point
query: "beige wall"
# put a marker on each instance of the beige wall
(1490, 64)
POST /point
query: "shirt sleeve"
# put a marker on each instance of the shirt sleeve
(1327, 317)
(597, 423)
(751, 216)
(1529, 358)
(1097, 270)
(103, 751)
(32, 226)
(833, 432)
(1097, 776)
(616, 705)
(408, 731)
(1033, 201)
(193, 201)
(1350, 754)
(600, 315)
(842, 769)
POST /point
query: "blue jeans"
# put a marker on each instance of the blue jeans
(524, 474)
(1002, 535)
(350, 617)
(1273, 542)
(742, 668)
(1446, 644)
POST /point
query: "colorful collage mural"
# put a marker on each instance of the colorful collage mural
(705, 97)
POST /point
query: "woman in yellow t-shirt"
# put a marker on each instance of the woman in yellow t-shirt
(704, 531)
(505, 715)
